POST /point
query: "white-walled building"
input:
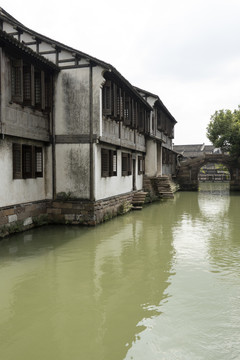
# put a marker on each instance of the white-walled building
(75, 134)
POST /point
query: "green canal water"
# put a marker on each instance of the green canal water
(162, 283)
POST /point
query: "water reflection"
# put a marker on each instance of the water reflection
(157, 284)
(91, 287)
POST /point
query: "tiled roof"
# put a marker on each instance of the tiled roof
(9, 40)
(7, 17)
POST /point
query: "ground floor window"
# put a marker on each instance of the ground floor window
(126, 164)
(27, 161)
(141, 165)
(108, 162)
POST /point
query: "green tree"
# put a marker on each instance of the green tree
(224, 131)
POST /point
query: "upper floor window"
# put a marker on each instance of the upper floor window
(30, 86)
(119, 104)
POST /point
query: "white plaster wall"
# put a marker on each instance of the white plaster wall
(139, 178)
(48, 171)
(98, 81)
(72, 101)
(151, 158)
(114, 185)
(72, 169)
(17, 191)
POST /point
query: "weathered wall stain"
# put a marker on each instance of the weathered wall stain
(76, 104)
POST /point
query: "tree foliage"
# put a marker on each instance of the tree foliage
(224, 131)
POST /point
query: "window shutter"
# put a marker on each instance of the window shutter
(17, 161)
(27, 161)
(119, 104)
(105, 162)
(48, 92)
(42, 90)
(124, 164)
(139, 165)
(127, 110)
(113, 162)
(37, 88)
(129, 164)
(114, 100)
(107, 98)
(38, 162)
(27, 85)
(17, 80)
(141, 119)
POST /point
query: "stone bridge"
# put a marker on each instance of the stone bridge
(187, 176)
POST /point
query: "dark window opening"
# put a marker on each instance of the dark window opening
(27, 161)
(108, 162)
(126, 164)
(30, 86)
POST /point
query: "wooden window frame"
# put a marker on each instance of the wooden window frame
(108, 162)
(27, 161)
(126, 164)
(17, 161)
(107, 98)
(17, 80)
(28, 81)
(141, 165)
(38, 161)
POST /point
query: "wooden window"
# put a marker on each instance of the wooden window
(113, 162)
(114, 101)
(141, 119)
(120, 108)
(17, 161)
(141, 165)
(38, 162)
(17, 81)
(48, 92)
(37, 88)
(107, 98)
(27, 161)
(126, 164)
(127, 110)
(27, 84)
(30, 86)
(108, 162)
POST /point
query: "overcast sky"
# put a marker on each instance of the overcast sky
(185, 51)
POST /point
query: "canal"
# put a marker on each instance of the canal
(162, 283)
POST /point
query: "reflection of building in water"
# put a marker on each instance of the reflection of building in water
(131, 273)
(213, 206)
(81, 284)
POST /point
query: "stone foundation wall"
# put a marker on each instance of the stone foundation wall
(78, 212)
(22, 217)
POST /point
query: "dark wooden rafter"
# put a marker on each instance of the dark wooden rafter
(36, 41)
(18, 32)
(56, 51)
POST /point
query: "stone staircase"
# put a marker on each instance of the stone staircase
(164, 187)
(138, 200)
(159, 187)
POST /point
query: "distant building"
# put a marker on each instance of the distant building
(195, 150)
